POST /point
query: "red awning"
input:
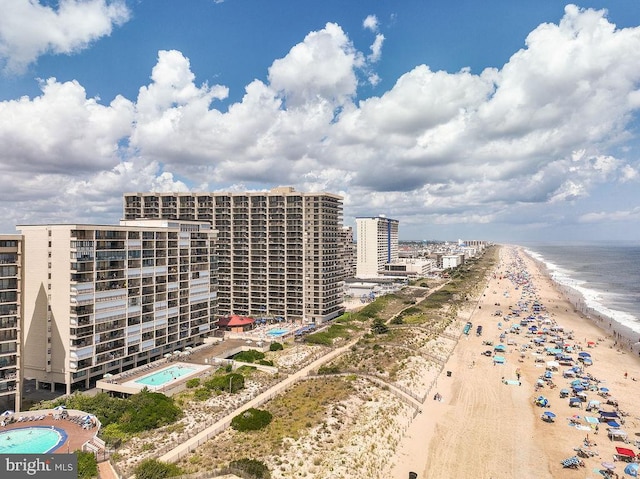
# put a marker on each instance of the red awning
(235, 321)
(623, 451)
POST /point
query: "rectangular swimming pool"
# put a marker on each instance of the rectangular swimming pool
(277, 332)
(164, 376)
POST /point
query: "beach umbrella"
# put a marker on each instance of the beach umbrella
(608, 465)
(632, 469)
(604, 390)
(584, 354)
(60, 408)
(613, 424)
(8, 412)
(168, 355)
(549, 414)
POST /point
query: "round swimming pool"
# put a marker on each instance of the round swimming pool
(31, 440)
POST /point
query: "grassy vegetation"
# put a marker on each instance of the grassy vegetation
(294, 413)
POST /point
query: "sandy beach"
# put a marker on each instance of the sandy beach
(487, 425)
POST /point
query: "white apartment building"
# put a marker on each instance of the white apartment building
(452, 260)
(377, 245)
(280, 252)
(102, 299)
(10, 313)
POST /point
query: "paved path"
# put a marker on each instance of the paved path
(105, 471)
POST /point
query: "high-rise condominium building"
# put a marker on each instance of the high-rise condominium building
(103, 299)
(10, 311)
(280, 252)
(377, 245)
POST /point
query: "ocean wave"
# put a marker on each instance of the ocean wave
(584, 299)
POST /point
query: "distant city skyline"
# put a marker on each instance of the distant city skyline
(513, 122)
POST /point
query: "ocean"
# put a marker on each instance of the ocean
(601, 278)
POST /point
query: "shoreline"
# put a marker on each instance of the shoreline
(628, 337)
(487, 424)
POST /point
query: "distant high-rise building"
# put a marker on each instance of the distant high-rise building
(10, 319)
(377, 245)
(280, 252)
(101, 299)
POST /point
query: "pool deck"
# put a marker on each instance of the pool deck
(76, 435)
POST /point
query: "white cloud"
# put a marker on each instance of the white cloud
(376, 48)
(29, 29)
(506, 144)
(370, 23)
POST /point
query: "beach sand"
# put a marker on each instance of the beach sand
(484, 428)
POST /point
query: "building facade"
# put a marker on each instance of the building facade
(103, 299)
(10, 319)
(280, 252)
(377, 245)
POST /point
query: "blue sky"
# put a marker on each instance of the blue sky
(511, 122)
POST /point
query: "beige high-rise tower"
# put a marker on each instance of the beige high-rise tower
(280, 252)
(102, 299)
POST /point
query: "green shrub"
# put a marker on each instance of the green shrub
(149, 410)
(276, 347)
(154, 469)
(250, 356)
(253, 467)
(87, 465)
(328, 370)
(229, 382)
(193, 383)
(265, 362)
(251, 420)
(113, 435)
(202, 394)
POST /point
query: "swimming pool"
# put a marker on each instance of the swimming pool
(165, 376)
(277, 332)
(31, 440)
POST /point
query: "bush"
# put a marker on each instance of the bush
(251, 420)
(276, 347)
(193, 383)
(265, 362)
(329, 370)
(250, 356)
(154, 469)
(257, 469)
(379, 327)
(201, 394)
(149, 410)
(229, 382)
(87, 465)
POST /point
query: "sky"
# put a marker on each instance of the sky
(502, 121)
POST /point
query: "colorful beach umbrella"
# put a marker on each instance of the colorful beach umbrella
(549, 414)
(632, 469)
(584, 354)
(608, 465)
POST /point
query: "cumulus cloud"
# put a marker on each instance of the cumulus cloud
(29, 29)
(371, 23)
(440, 147)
